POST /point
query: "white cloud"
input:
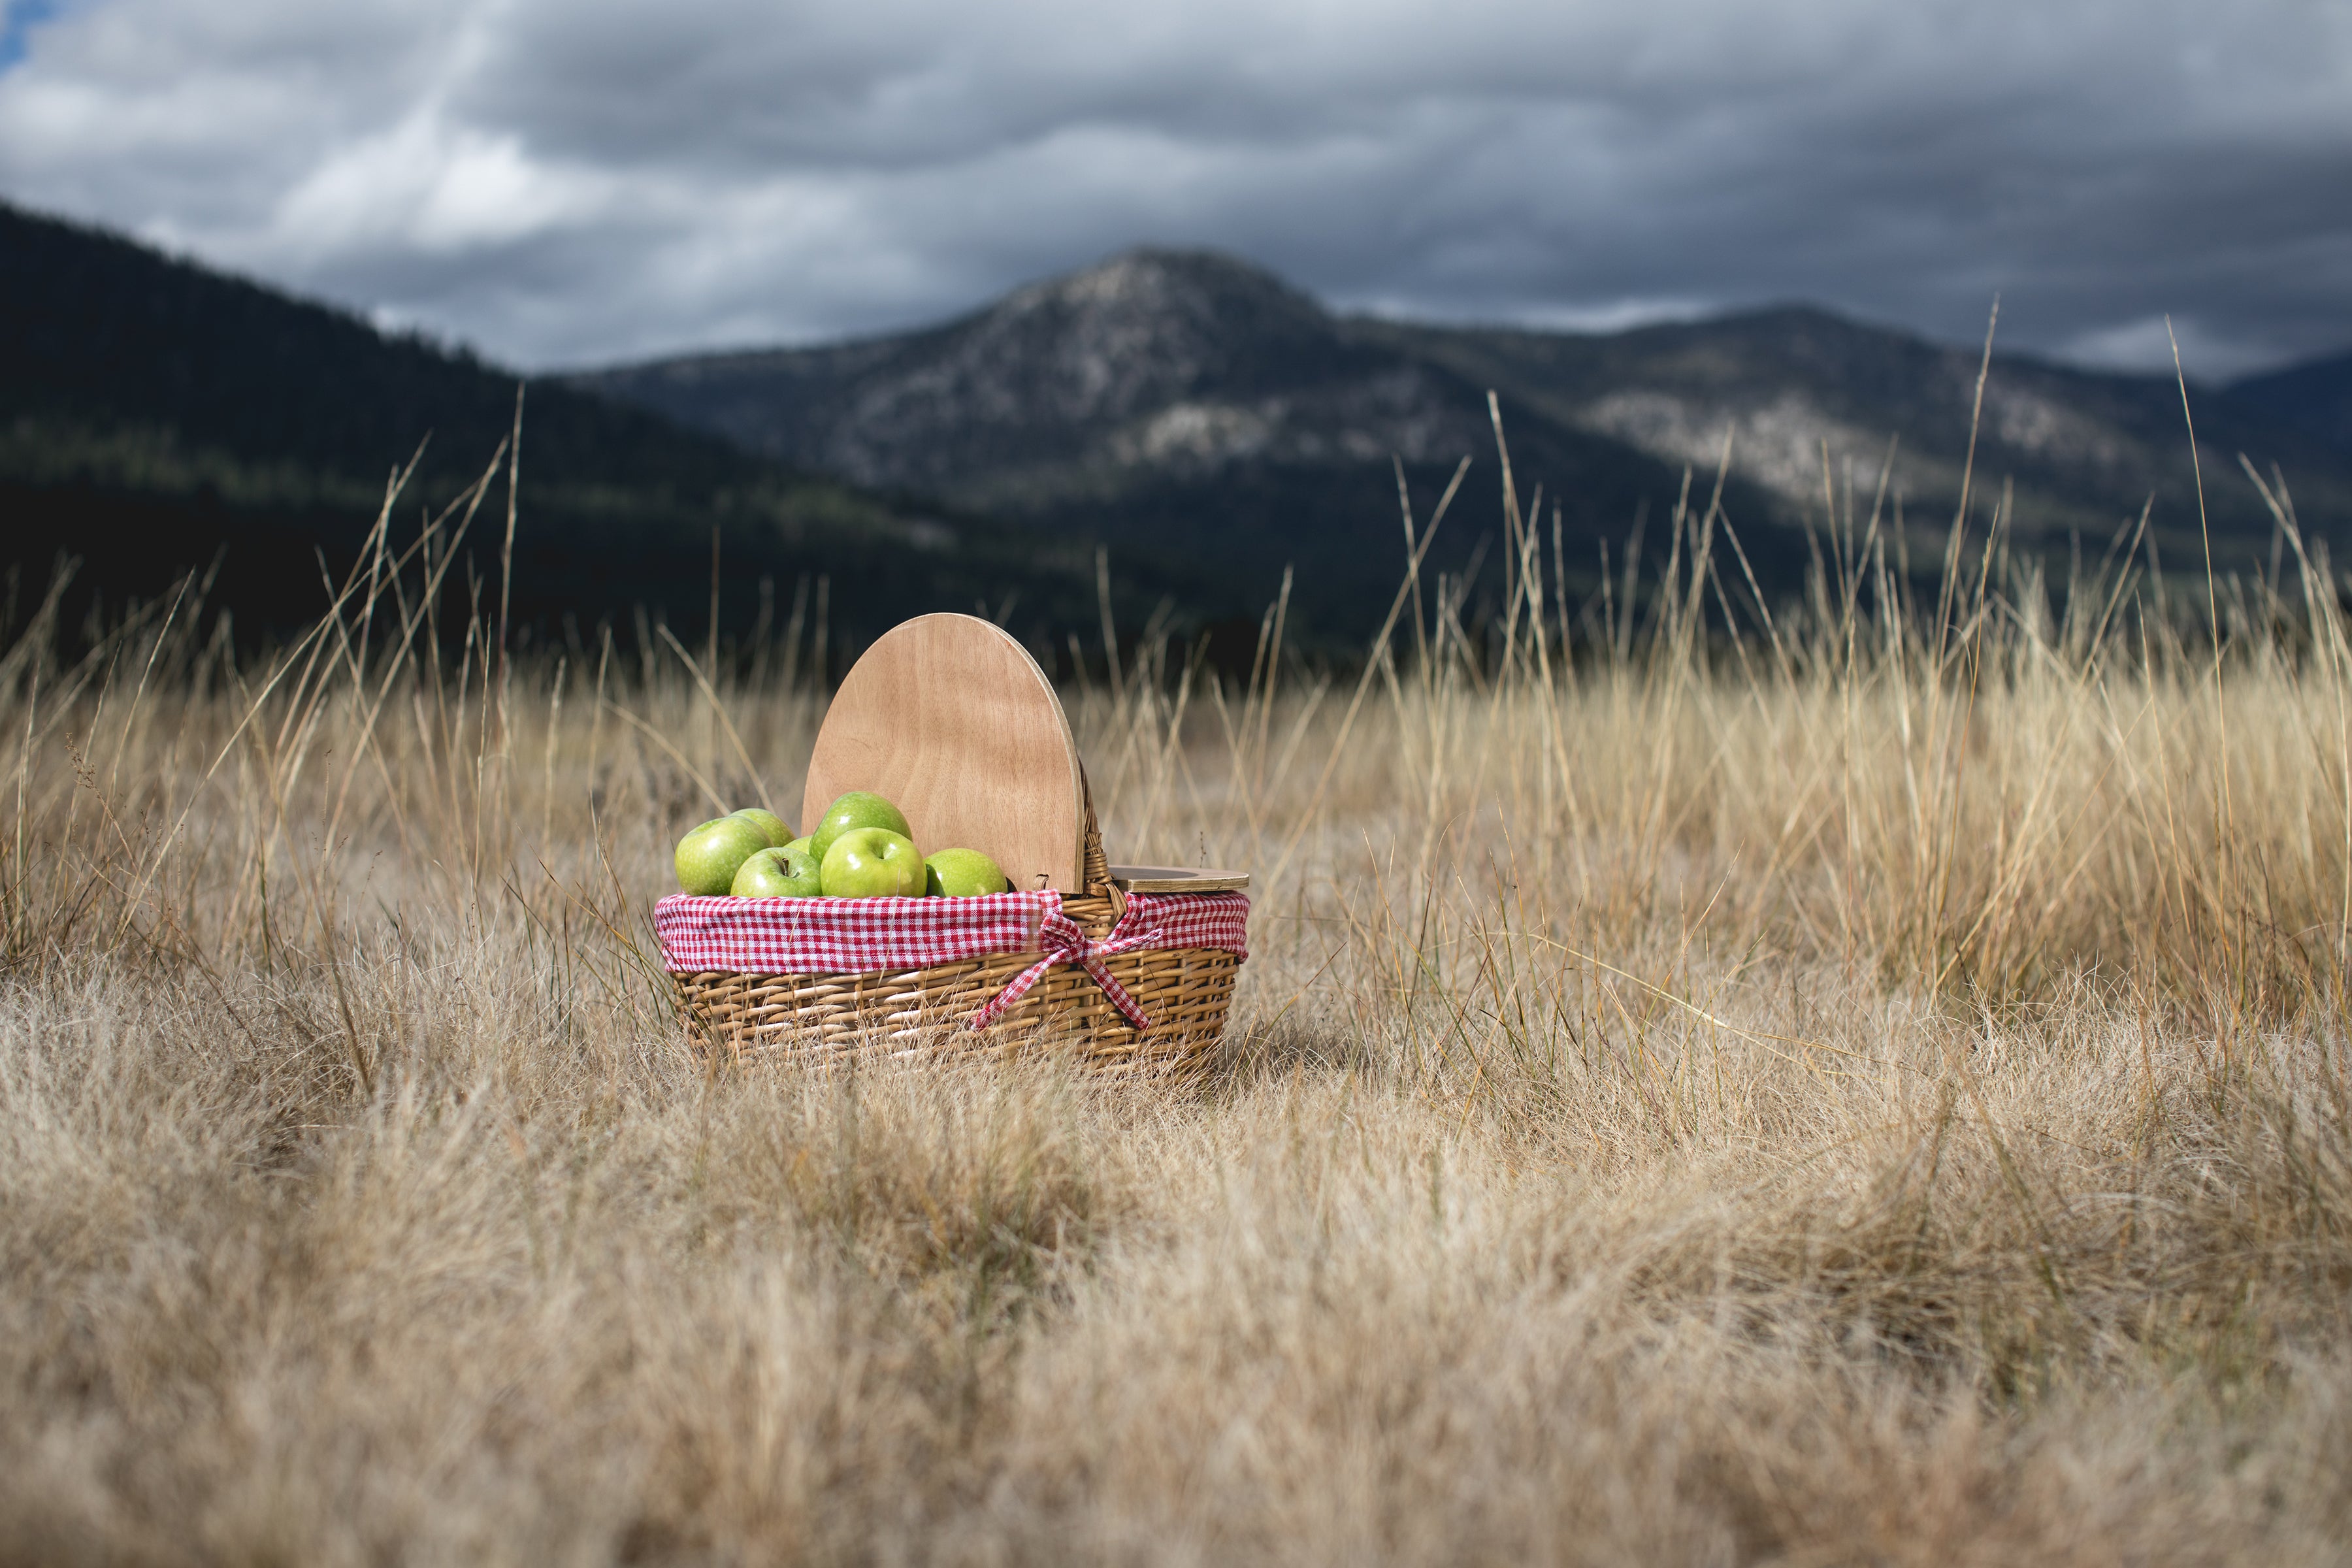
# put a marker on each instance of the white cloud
(442, 189)
(2148, 345)
(569, 180)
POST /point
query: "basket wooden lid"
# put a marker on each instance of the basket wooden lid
(952, 720)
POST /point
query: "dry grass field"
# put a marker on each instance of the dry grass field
(1871, 1090)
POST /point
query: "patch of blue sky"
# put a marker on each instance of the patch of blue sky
(17, 20)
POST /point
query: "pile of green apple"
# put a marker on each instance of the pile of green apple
(862, 849)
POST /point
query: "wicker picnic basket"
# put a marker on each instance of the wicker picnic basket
(1182, 992)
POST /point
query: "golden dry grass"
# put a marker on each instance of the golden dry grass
(1871, 1091)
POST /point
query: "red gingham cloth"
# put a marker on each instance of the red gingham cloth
(843, 936)
(835, 936)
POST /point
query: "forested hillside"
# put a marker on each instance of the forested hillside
(156, 417)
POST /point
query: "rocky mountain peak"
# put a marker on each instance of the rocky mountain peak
(1149, 282)
(1111, 341)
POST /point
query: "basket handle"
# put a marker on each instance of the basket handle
(1093, 866)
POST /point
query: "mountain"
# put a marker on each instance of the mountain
(154, 413)
(2314, 398)
(1801, 390)
(1197, 413)
(1208, 421)
(1186, 406)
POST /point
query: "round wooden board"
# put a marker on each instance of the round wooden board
(952, 720)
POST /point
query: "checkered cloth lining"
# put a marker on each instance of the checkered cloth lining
(836, 936)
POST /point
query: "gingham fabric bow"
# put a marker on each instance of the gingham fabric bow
(1066, 943)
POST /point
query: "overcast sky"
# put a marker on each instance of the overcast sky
(566, 181)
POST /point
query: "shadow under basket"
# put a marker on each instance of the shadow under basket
(1185, 991)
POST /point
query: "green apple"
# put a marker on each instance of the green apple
(872, 863)
(803, 842)
(783, 873)
(961, 874)
(778, 830)
(855, 810)
(709, 856)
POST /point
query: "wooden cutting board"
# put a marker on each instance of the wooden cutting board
(949, 718)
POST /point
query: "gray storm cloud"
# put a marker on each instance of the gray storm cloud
(570, 181)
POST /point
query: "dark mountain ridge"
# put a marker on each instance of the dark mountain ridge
(2314, 398)
(154, 413)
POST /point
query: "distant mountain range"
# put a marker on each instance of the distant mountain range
(153, 413)
(1206, 421)
(1193, 410)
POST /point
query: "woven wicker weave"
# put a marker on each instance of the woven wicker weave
(1185, 991)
